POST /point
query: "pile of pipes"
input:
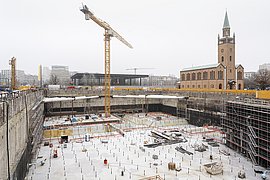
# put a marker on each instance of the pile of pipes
(226, 153)
(165, 138)
(182, 150)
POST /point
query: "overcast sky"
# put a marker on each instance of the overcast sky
(167, 35)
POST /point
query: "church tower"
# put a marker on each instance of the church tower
(226, 52)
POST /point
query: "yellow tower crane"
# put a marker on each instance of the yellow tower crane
(12, 63)
(109, 32)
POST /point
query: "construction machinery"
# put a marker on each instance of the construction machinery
(135, 69)
(109, 32)
(241, 174)
(12, 63)
(214, 168)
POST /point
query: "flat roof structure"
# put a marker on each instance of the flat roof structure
(99, 75)
(98, 79)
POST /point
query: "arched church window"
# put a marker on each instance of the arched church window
(240, 75)
(183, 77)
(205, 75)
(193, 76)
(188, 77)
(199, 76)
(212, 75)
(220, 74)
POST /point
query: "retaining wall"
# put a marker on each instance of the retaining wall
(19, 137)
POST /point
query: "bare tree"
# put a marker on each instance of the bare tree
(250, 83)
(54, 79)
(262, 78)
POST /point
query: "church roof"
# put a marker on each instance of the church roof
(209, 66)
(226, 21)
(238, 65)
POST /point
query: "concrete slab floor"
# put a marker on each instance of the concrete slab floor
(126, 154)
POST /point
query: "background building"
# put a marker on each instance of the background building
(248, 75)
(160, 81)
(4, 80)
(265, 66)
(46, 73)
(223, 75)
(60, 74)
(21, 78)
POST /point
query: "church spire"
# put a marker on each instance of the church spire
(226, 21)
(226, 26)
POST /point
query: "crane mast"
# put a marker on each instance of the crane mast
(12, 63)
(109, 32)
(107, 75)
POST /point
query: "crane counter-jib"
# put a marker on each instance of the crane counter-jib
(89, 15)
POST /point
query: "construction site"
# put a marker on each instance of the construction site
(139, 146)
(132, 132)
(177, 135)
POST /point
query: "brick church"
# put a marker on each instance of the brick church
(223, 75)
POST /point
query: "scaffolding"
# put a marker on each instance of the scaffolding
(246, 123)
